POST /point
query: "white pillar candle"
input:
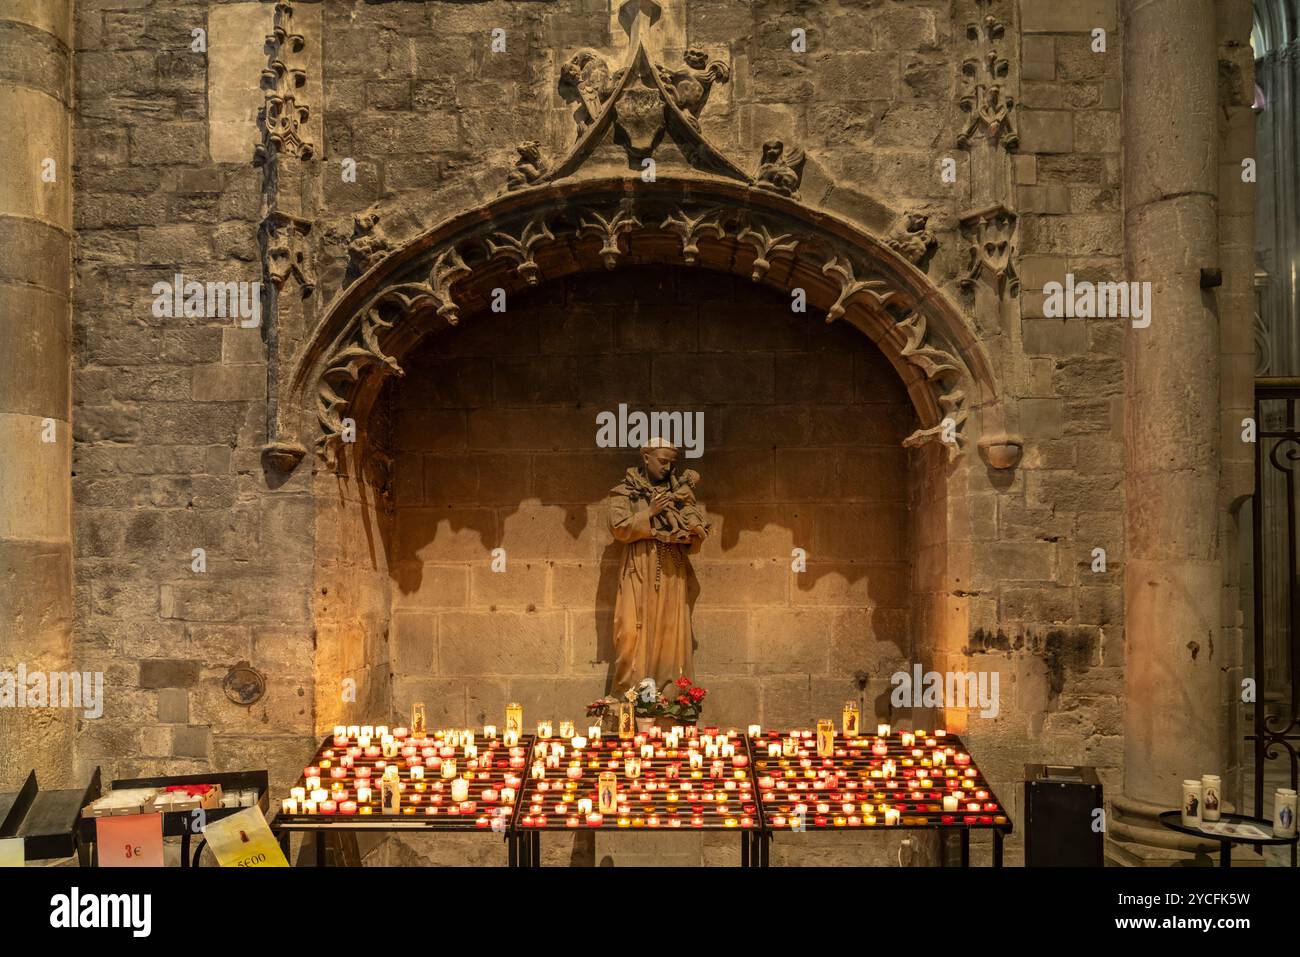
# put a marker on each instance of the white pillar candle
(417, 773)
(298, 794)
(909, 739)
(319, 794)
(578, 742)
(459, 790)
(882, 730)
(1211, 794)
(289, 806)
(353, 730)
(448, 768)
(368, 730)
(950, 802)
(363, 794)
(891, 815)
(1191, 803)
(308, 807)
(755, 730)
(381, 730)
(510, 739)
(340, 731)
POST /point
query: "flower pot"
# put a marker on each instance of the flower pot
(645, 724)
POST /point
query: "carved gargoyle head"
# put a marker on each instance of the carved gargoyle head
(530, 152)
(916, 222)
(695, 58)
(772, 151)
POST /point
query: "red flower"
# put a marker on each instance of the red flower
(697, 694)
(683, 682)
(682, 699)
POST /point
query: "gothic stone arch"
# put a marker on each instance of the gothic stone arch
(555, 229)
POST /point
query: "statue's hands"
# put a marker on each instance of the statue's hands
(660, 501)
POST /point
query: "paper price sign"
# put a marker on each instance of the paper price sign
(244, 840)
(12, 852)
(135, 840)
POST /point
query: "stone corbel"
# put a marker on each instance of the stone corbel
(520, 249)
(692, 229)
(991, 233)
(286, 252)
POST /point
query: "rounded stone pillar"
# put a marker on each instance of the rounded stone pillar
(35, 379)
(1173, 679)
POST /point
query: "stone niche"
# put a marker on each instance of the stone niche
(489, 442)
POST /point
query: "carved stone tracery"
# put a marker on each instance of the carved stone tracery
(853, 289)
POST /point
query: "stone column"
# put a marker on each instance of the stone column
(1174, 655)
(35, 376)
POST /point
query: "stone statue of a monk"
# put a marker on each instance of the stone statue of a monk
(653, 512)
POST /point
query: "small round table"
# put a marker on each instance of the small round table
(1174, 821)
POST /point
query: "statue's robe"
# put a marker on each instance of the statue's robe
(652, 621)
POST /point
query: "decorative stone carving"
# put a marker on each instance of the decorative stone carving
(988, 108)
(690, 88)
(765, 246)
(587, 76)
(691, 229)
(529, 167)
(609, 230)
(523, 240)
(991, 233)
(283, 117)
(948, 430)
(520, 248)
(367, 244)
(286, 252)
(934, 362)
(639, 115)
(779, 171)
(346, 364)
(447, 268)
(638, 104)
(850, 287)
(912, 237)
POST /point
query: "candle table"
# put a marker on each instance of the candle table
(430, 785)
(1230, 829)
(873, 782)
(657, 782)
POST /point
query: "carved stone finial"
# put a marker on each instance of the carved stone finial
(912, 238)
(779, 171)
(283, 117)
